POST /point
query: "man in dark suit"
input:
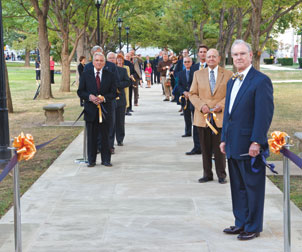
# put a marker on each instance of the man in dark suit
(97, 87)
(202, 53)
(184, 88)
(248, 114)
(180, 64)
(131, 67)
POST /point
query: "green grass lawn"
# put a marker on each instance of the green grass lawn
(29, 117)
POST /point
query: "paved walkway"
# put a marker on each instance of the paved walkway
(148, 201)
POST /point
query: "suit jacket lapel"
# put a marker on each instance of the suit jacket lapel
(93, 81)
(243, 88)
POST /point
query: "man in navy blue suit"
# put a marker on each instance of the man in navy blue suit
(247, 117)
(97, 87)
(184, 88)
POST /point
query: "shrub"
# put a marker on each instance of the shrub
(268, 61)
(300, 62)
(286, 61)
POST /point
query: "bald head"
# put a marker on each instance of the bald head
(213, 58)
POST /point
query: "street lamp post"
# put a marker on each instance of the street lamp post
(127, 32)
(98, 5)
(120, 23)
(5, 154)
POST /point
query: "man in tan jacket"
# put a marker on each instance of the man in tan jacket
(207, 94)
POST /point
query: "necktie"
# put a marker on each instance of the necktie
(212, 81)
(187, 75)
(201, 66)
(237, 75)
(98, 81)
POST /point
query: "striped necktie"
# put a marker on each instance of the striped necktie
(212, 81)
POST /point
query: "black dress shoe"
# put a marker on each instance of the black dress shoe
(244, 236)
(185, 135)
(233, 230)
(128, 114)
(222, 181)
(91, 165)
(131, 110)
(204, 179)
(165, 99)
(120, 144)
(107, 164)
(193, 152)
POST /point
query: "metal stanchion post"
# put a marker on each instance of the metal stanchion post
(17, 207)
(85, 155)
(286, 199)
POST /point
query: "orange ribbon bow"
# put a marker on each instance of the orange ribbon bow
(207, 118)
(277, 141)
(25, 146)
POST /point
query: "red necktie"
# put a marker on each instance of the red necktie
(98, 81)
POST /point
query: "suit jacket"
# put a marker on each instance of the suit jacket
(200, 94)
(88, 86)
(124, 82)
(183, 84)
(179, 67)
(251, 114)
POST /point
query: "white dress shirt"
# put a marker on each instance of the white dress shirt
(236, 87)
(215, 72)
(202, 65)
(100, 73)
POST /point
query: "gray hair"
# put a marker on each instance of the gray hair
(98, 54)
(111, 53)
(165, 53)
(242, 42)
(188, 57)
(95, 48)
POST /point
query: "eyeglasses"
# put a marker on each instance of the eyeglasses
(187, 61)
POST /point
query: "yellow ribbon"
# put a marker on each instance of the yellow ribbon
(277, 141)
(100, 110)
(206, 116)
(186, 104)
(25, 146)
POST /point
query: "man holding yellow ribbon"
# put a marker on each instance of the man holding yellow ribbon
(207, 94)
(248, 114)
(97, 88)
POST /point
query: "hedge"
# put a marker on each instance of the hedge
(268, 61)
(286, 61)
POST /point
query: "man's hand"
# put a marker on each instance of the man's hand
(186, 94)
(94, 99)
(205, 109)
(254, 149)
(222, 147)
(102, 99)
(217, 109)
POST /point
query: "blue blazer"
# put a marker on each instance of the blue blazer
(88, 86)
(183, 84)
(251, 114)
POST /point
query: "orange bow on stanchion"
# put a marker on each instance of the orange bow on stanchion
(25, 146)
(277, 141)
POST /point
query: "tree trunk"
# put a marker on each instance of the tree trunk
(255, 32)
(9, 101)
(65, 83)
(27, 54)
(44, 49)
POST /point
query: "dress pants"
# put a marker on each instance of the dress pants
(130, 98)
(112, 119)
(98, 131)
(210, 144)
(188, 119)
(196, 147)
(135, 91)
(248, 192)
(120, 123)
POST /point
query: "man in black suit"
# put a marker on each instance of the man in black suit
(180, 64)
(202, 54)
(184, 88)
(97, 87)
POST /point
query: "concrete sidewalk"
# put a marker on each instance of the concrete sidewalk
(148, 201)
